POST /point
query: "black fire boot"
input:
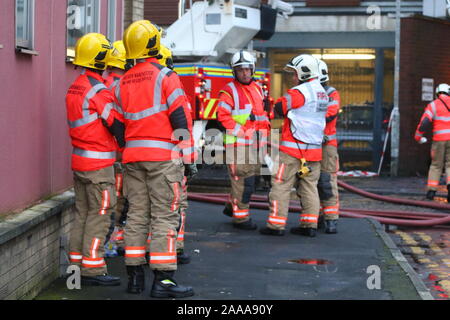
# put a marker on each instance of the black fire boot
(164, 286)
(321, 222)
(271, 232)
(330, 226)
(228, 210)
(100, 280)
(309, 232)
(182, 257)
(136, 279)
(247, 225)
(431, 194)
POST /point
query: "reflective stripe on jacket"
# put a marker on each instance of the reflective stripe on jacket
(154, 106)
(332, 114)
(88, 105)
(437, 114)
(241, 112)
(291, 100)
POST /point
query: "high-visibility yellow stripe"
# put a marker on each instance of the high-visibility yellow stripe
(208, 109)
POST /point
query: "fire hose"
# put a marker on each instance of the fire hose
(401, 218)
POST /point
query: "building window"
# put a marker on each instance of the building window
(24, 24)
(83, 16)
(112, 13)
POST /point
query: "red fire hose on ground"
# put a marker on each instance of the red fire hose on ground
(401, 218)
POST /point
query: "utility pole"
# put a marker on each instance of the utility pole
(395, 137)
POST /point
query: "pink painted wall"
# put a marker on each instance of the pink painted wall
(34, 143)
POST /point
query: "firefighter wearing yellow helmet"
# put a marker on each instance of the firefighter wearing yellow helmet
(89, 110)
(154, 105)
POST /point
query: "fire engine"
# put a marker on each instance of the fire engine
(202, 41)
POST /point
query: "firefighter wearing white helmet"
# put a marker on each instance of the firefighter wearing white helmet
(329, 166)
(434, 117)
(303, 108)
(241, 113)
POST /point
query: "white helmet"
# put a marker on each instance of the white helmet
(443, 88)
(306, 66)
(323, 72)
(244, 59)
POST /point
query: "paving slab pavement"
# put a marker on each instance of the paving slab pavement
(231, 264)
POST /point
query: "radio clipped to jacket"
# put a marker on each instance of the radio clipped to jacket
(304, 169)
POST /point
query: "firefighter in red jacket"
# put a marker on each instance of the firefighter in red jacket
(190, 170)
(91, 118)
(115, 68)
(158, 134)
(304, 108)
(437, 118)
(241, 112)
(329, 166)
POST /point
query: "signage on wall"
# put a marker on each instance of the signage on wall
(427, 89)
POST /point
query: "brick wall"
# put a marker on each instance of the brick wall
(133, 11)
(31, 247)
(162, 12)
(424, 54)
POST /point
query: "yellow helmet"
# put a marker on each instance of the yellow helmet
(141, 40)
(92, 51)
(117, 57)
(165, 57)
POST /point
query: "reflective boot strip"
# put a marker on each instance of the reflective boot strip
(75, 256)
(277, 220)
(163, 257)
(93, 262)
(433, 183)
(135, 252)
(240, 214)
(308, 218)
(94, 154)
(331, 210)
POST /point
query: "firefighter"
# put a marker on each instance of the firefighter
(437, 117)
(90, 113)
(115, 69)
(241, 112)
(329, 166)
(115, 65)
(303, 108)
(154, 108)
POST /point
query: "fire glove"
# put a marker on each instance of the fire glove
(190, 171)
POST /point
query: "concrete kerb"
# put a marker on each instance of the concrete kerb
(420, 287)
(35, 215)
